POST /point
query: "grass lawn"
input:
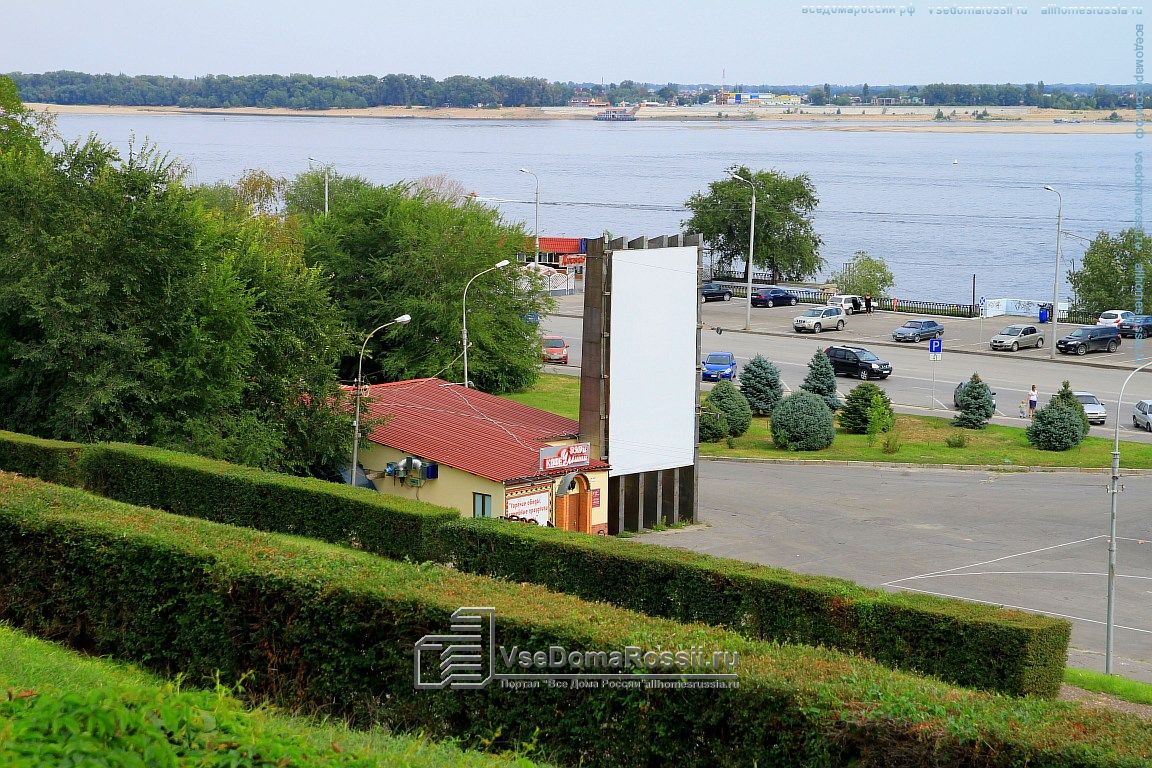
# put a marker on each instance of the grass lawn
(1120, 687)
(922, 439)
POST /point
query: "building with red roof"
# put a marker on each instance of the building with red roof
(486, 456)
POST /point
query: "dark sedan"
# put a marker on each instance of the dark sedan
(1138, 327)
(773, 297)
(914, 330)
(715, 292)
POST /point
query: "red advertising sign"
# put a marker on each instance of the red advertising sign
(571, 259)
(565, 456)
(595, 497)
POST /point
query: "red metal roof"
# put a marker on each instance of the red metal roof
(555, 244)
(472, 431)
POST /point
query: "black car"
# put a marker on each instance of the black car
(857, 361)
(715, 292)
(1090, 338)
(914, 330)
(773, 297)
(1139, 327)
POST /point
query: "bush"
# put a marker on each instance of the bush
(802, 422)
(728, 400)
(821, 380)
(1065, 397)
(956, 440)
(881, 419)
(1056, 427)
(713, 424)
(323, 628)
(858, 411)
(760, 384)
(893, 441)
(51, 460)
(975, 401)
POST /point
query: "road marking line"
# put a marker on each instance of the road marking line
(989, 562)
(1037, 573)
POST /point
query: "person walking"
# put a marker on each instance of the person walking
(867, 303)
(1033, 398)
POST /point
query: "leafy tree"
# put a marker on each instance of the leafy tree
(1065, 398)
(817, 98)
(821, 380)
(760, 384)
(864, 275)
(881, 419)
(1056, 427)
(728, 400)
(1108, 272)
(787, 245)
(394, 250)
(713, 424)
(975, 402)
(858, 412)
(802, 422)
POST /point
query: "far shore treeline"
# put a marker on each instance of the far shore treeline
(300, 91)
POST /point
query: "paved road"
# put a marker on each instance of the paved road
(916, 383)
(1029, 540)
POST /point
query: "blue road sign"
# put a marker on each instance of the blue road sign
(935, 346)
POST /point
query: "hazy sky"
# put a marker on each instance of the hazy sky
(731, 41)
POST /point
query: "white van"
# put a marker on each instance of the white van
(847, 302)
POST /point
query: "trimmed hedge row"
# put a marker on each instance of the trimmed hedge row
(51, 460)
(328, 629)
(964, 643)
(230, 493)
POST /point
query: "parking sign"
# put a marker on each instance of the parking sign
(935, 346)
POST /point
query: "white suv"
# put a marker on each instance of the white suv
(847, 302)
(820, 318)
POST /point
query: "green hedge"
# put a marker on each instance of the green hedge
(51, 460)
(230, 493)
(965, 643)
(329, 629)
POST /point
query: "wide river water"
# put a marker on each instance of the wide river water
(938, 207)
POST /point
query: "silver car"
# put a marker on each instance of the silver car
(1016, 337)
(1142, 415)
(1095, 409)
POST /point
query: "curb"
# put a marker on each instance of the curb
(905, 465)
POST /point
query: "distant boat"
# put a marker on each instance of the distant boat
(618, 114)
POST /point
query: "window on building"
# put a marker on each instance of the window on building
(481, 505)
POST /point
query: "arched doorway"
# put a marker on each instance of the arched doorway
(574, 508)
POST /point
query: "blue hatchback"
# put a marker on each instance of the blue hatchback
(718, 365)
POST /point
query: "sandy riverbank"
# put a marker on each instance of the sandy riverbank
(900, 119)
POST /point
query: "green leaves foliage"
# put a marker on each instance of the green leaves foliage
(761, 386)
(864, 275)
(1108, 273)
(729, 401)
(860, 410)
(713, 424)
(802, 422)
(787, 244)
(1061, 425)
(975, 402)
(1066, 398)
(821, 380)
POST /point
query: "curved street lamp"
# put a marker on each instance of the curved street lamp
(537, 230)
(464, 325)
(1110, 624)
(402, 320)
(751, 248)
(314, 160)
(1056, 277)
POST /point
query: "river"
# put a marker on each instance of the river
(937, 207)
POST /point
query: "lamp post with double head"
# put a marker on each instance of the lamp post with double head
(402, 320)
(314, 160)
(751, 248)
(537, 229)
(1056, 276)
(464, 317)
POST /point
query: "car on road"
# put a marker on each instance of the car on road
(555, 350)
(960, 388)
(1114, 317)
(915, 330)
(1139, 327)
(857, 361)
(1090, 338)
(1142, 415)
(715, 292)
(848, 302)
(1095, 409)
(718, 365)
(819, 319)
(1016, 337)
(773, 297)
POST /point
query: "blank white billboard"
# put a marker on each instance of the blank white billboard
(653, 328)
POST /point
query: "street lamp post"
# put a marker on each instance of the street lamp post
(402, 320)
(1113, 489)
(1056, 276)
(537, 229)
(464, 316)
(325, 184)
(751, 248)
